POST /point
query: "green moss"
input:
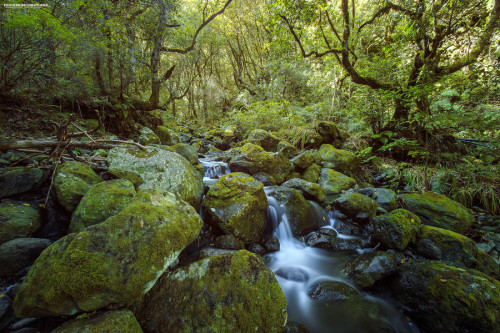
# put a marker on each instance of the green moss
(17, 219)
(335, 182)
(311, 174)
(112, 321)
(339, 160)
(396, 229)
(356, 205)
(227, 293)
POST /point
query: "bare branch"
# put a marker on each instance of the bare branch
(382, 11)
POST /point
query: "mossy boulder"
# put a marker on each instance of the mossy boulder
(334, 291)
(223, 293)
(334, 183)
(306, 159)
(300, 213)
(327, 239)
(444, 298)
(159, 169)
(148, 137)
(458, 249)
(102, 201)
(356, 206)
(266, 140)
(252, 159)
(396, 229)
(20, 180)
(286, 149)
(438, 211)
(188, 152)
(19, 253)
(385, 198)
(310, 191)
(236, 205)
(110, 321)
(370, 267)
(72, 181)
(330, 133)
(311, 140)
(340, 160)
(114, 262)
(17, 219)
(167, 136)
(311, 174)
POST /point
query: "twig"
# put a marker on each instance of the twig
(124, 142)
(54, 171)
(83, 131)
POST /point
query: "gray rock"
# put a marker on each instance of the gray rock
(20, 253)
(20, 180)
(17, 219)
(370, 267)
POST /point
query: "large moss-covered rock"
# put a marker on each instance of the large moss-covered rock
(356, 206)
(330, 133)
(311, 139)
(159, 169)
(458, 249)
(20, 180)
(223, 293)
(102, 200)
(104, 322)
(17, 219)
(334, 182)
(147, 137)
(443, 298)
(306, 159)
(396, 229)
(370, 267)
(438, 211)
(188, 152)
(384, 197)
(113, 262)
(236, 205)
(167, 136)
(340, 160)
(252, 159)
(311, 191)
(300, 213)
(20, 253)
(72, 181)
(266, 140)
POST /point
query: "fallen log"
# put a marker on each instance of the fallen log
(44, 143)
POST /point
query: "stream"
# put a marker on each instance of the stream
(299, 267)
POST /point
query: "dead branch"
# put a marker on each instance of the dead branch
(49, 143)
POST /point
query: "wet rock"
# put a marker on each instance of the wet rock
(286, 149)
(160, 170)
(111, 321)
(334, 183)
(5, 303)
(20, 180)
(334, 291)
(311, 174)
(256, 248)
(370, 267)
(384, 197)
(167, 136)
(147, 137)
(356, 206)
(295, 327)
(438, 211)
(229, 242)
(311, 191)
(396, 230)
(186, 151)
(226, 293)
(443, 298)
(20, 253)
(339, 160)
(17, 220)
(252, 159)
(458, 249)
(265, 139)
(102, 201)
(270, 243)
(485, 247)
(299, 212)
(114, 262)
(327, 241)
(72, 181)
(427, 249)
(236, 205)
(293, 274)
(265, 179)
(210, 252)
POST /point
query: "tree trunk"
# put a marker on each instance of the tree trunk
(98, 75)
(400, 110)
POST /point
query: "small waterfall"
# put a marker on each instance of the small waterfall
(299, 267)
(213, 170)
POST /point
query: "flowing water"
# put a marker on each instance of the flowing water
(213, 170)
(299, 267)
